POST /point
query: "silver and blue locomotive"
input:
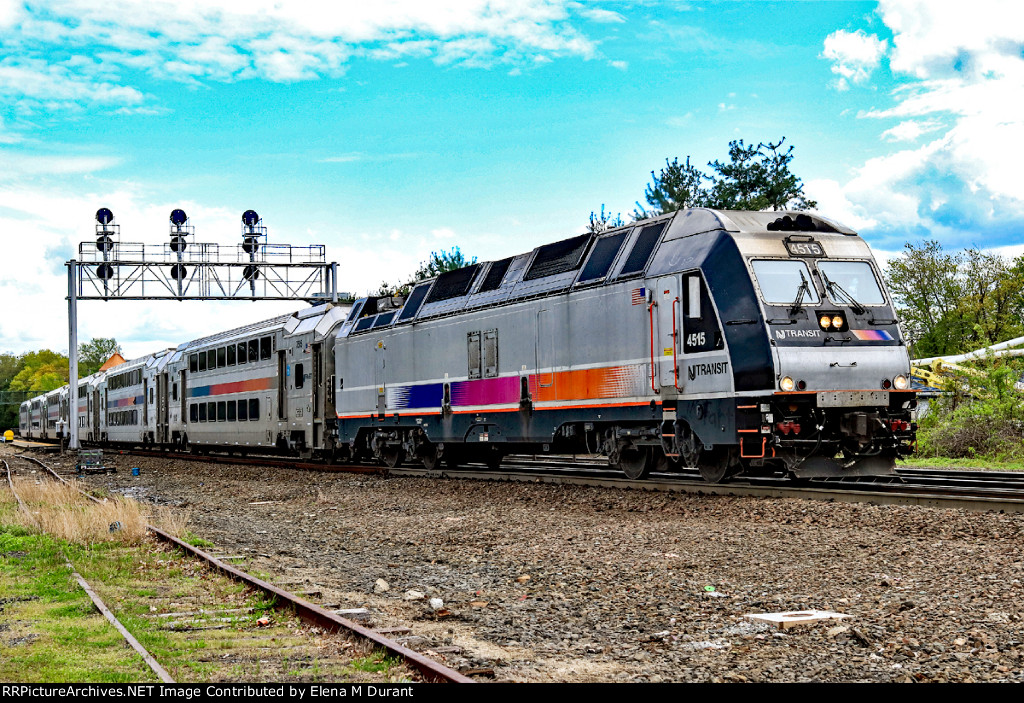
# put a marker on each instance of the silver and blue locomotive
(734, 342)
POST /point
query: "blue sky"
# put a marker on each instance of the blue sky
(387, 130)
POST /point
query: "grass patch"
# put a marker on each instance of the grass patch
(196, 540)
(943, 462)
(50, 631)
(378, 662)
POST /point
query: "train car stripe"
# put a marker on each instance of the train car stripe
(872, 335)
(252, 384)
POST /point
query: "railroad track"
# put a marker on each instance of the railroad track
(969, 490)
(210, 617)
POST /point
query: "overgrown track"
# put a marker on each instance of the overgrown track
(152, 663)
(428, 668)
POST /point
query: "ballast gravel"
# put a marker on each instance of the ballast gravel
(542, 582)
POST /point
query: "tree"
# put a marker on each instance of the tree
(42, 371)
(438, 263)
(604, 221)
(93, 354)
(677, 186)
(952, 303)
(754, 178)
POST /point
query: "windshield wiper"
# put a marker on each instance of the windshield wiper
(800, 293)
(831, 286)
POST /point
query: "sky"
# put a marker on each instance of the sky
(391, 129)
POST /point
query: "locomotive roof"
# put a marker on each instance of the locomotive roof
(588, 259)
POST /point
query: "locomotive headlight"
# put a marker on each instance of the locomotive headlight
(900, 382)
(825, 322)
(837, 322)
(786, 383)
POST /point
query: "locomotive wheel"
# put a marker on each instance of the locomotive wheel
(493, 459)
(718, 465)
(392, 455)
(635, 462)
(430, 456)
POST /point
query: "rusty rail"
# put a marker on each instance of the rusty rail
(430, 669)
(153, 664)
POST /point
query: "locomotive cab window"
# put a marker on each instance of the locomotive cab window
(701, 331)
(781, 281)
(856, 278)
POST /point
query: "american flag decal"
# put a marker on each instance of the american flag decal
(639, 296)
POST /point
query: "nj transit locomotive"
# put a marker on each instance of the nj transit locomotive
(736, 342)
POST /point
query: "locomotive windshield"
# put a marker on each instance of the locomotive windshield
(854, 277)
(781, 280)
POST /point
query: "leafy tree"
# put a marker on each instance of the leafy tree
(93, 354)
(952, 303)
(42, 371)
(677, 186)
(604, 221)
(754, 178)
(438, 263)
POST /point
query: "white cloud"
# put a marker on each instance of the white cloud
(621, 65)
(961, 73)
(69, 55)
(604, 16)
(854, 55)
(443, 233)
(910, 130)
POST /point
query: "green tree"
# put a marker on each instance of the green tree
(42, 371)
(754, 178)
(439, 262)
(677, 186)
(604, 221)
(955, 302)
(93, 354)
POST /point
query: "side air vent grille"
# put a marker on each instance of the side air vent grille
(452, 284)
(414, 303)
(384, 318)
(637, 260)
(558, 257)
(364, 324)
(604, 254)
(495, 275)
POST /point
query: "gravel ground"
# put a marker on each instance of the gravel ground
(566, 583)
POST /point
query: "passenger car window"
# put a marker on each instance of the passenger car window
(254, 350)
(298, 375)
(242, 355)
(264, 348)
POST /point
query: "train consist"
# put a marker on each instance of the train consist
(734, 342)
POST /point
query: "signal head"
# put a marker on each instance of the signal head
(250, 218)
(178, 217)
(104, 216)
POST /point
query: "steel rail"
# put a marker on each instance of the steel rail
(153, 664)
(430, 669)
(905, 495)
(993, 498)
